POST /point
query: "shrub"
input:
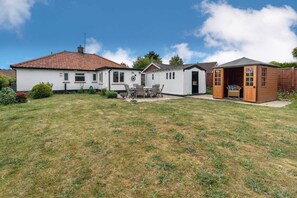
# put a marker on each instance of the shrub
(111, 94)
(7, 96)
(92, 90)
(41, 91)
(208, 90)
(21, 97)
(103, 91)
(4, 82)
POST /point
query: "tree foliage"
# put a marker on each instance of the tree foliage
(143, 62)
(294, 52)
(176, 60)
(284, 65)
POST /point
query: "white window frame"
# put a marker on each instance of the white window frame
(95, 77)
(119, 77)
(67, 77)
(80, 75)
(100, 77)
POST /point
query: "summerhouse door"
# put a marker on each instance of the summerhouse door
(218, 83)
(250, 82)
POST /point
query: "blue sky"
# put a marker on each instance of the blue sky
(122, 30)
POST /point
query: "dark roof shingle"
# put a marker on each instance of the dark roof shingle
(243, 62)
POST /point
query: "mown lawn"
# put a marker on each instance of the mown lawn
(88, 146)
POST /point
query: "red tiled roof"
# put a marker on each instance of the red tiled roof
(68, 60)
(208, 66)
(8, 72)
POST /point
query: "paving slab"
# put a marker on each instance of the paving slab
(165, 97)
(276, 103)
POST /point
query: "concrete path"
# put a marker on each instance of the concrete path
(267, 104)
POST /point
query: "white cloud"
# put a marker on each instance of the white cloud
(92, 46)
(183, 51)
(120, 56)
(14, 13)
(264, 34)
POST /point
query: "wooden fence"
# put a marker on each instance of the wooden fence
(287, 79)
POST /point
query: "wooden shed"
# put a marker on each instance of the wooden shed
(256, 80)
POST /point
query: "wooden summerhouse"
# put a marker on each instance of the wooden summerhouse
(256, 81)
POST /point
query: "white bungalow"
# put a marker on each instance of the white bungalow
(181, 80)
(70, 71)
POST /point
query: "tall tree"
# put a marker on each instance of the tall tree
(176, 60)
(294, 52)
(143, 62)
(154, 57)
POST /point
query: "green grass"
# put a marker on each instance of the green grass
(81, 145)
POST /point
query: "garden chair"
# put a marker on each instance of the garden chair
(233, 91)
(129, 92)
(154, 91)
(160, 91)
(139, 91)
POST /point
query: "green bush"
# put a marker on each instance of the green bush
(92, 90)
(208, 90)
(7, 96)
(4, 82)
(41, 91)
(111, 94)
(103, 91)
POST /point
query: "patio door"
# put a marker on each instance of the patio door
(218, 83)
(195, 84)
(250, 82)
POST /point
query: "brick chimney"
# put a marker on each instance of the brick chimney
(80, 49)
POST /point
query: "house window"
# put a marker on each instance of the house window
(153, 77)
(218, 77)
(173, 75)
(66, 77)
(79, 77)
(170, 75)
(115, 77)
(100, 77)
(249, 81)
(122, 77)
(94, 77)
(166, 75)
(264, 77)
(118, 77)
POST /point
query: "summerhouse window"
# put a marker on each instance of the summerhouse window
(249, 77)
(218, 76)
(94, 77)
(264, 77)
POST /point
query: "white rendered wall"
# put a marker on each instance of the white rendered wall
(171, 86)
(119, 86)
(27, 78)
(188, 81)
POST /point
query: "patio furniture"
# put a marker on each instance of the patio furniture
(129, 92)
(154, 91)
(139, 91)
(234, 91)
(159, 92)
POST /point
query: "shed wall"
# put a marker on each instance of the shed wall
(268, 92)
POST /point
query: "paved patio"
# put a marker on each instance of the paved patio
(277, 104)
(165, 97)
